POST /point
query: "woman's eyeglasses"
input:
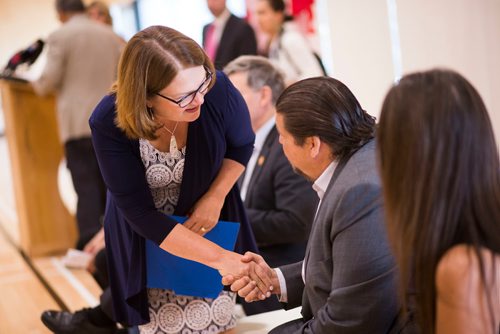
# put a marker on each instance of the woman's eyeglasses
(184, 101)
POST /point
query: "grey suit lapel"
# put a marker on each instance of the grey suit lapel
(306, 307)
(320, 211)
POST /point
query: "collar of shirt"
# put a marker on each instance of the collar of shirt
(323, 180)
(220, 22)
(260, 138)
(320, 186)
(79, 17)
(261, 134)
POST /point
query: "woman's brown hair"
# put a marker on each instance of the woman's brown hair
(441, 178)
(149, 62)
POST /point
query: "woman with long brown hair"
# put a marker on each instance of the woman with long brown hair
(441, 179)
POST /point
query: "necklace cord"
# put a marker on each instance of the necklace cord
(173, 131)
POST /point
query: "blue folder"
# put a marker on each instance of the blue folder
(186, 277)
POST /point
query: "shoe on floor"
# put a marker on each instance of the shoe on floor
(62, 322)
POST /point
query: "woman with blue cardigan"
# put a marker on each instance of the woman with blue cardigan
(172, 139)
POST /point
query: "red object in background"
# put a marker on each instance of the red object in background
(302, 11)
(303, 15)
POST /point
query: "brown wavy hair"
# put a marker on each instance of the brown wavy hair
(149, 62)
(441, 178)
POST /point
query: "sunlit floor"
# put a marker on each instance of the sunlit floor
(23, 297)
(8, 215)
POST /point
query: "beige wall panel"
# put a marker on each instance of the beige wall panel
(463, 35)
(361, 48)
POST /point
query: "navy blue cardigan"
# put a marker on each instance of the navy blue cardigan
(223, 131)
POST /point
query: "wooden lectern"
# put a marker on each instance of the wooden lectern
(45, 224)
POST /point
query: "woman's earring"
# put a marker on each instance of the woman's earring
(150, 112)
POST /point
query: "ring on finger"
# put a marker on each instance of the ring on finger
(203, 229)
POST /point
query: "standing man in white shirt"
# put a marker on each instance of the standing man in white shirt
(228, 36)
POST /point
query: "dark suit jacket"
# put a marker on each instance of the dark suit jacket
(280, 205)
(223, 131)
(350, 272)
(238, 38)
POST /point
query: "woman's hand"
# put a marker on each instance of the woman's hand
(248, 288)
(257, 274)
(205, 214)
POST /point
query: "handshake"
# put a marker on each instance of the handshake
(250, 276)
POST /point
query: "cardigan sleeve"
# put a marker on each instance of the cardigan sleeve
(238, 129)
(123, 173)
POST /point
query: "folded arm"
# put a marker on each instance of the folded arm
(206, 211)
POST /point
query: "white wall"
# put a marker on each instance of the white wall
(463, 35)
(22, 22)
(186, 16)
(460, 34)
(361, 48)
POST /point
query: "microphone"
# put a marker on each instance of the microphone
(25, 56)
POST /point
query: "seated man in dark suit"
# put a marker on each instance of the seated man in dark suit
(280, 204)
(347, 280)
(228, 36)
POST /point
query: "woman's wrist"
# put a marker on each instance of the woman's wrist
(218, 195)
(225, 260)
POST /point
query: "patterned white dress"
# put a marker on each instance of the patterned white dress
(171, 313)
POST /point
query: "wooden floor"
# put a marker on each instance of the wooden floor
(30, 286)
(23, 296)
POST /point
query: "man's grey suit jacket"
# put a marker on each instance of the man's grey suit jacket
(350, 273)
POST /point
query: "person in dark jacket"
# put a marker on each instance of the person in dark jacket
(228, 36)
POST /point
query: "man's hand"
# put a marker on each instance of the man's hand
(96, 243)
(259, 274)
(93, 247)
(249, 286)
